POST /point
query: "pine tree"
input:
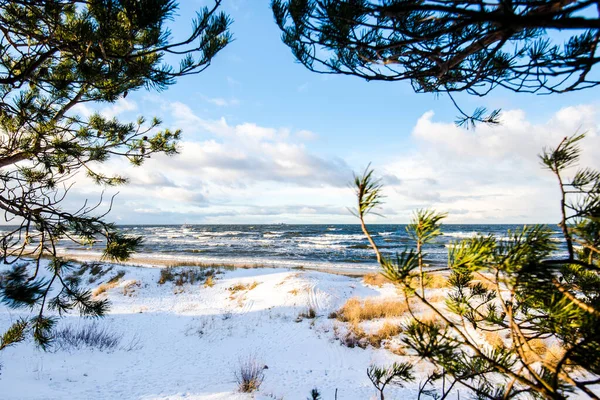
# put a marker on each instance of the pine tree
(444, 46)
(54, 55)
(514, 288)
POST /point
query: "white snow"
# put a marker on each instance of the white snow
(186, 342)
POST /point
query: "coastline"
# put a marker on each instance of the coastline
(163, 262)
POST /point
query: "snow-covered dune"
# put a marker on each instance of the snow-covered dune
(187, 341)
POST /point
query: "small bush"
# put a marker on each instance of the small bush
(91, 335)
(310, 313)
(209, 282)
(250, 374)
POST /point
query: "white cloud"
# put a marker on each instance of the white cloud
(248, 173)
(117, 108)
(230, 172)
(492, 173)
(222, 102)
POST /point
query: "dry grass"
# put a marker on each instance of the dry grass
(538, 346)
(386, 332)
(432, 317)
(357, 337)
(494, 339)
(355, 310)
(103, 288)
(238, 287)
(250, 374)
(111, 283)
(375, 279)
(294, 292)
(181, 276)
(310, 313)
(209, 282)
(436, 298)
(398, 350)
(201, 265)
(131, 287)
(435, 281)
(117, 277)
(553, 355)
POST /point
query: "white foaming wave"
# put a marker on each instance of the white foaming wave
(330, 246)
(386, 233)
(329, 238)
(462, 235)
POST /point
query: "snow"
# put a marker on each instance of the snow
(185, 342)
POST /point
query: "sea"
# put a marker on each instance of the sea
(341, 247)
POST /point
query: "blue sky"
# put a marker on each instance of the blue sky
(267, 141)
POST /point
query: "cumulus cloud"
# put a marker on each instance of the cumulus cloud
(230, 172)
(248, 173)
(492, 173)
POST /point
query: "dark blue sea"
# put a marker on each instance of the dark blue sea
(317, 246)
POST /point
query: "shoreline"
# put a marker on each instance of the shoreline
(158, 262)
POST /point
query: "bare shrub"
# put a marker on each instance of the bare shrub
(250, 374)
(92, 336)
(310, 313)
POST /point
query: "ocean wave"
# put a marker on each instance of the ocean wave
(461, 235)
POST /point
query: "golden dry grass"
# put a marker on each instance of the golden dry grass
(356, 310)
(398, 350)
(494, 339)
(435, 281)
(375, 279)
(553, 355)
(436, 298)
(294, 292)
(103, 288)
(432, 317)
(243, 286)
(538, 346)
(209, 282)
(386, 332)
